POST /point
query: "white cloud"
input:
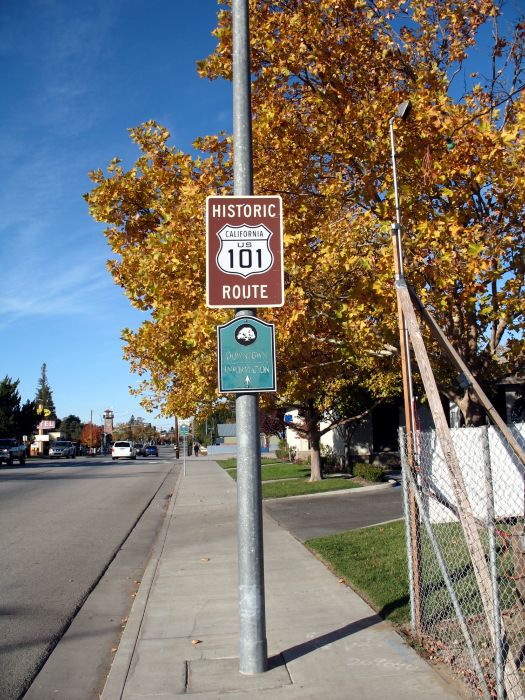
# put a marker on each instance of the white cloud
(75, 291)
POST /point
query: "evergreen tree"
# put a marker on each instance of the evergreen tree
(44, 395)
(9, 406)
(71, 426)
(15, 421)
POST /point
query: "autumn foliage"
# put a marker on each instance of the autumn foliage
(327, 77)
(91, 435)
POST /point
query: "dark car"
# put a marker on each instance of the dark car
(151, 450)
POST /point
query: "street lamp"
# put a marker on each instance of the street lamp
(413, 551)
(402, 112)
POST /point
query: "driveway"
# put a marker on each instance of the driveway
(307, 517)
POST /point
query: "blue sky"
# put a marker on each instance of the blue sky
(76, 76)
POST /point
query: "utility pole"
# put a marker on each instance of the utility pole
(253, 646)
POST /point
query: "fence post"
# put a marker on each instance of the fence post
(498, 640)
(409, 531)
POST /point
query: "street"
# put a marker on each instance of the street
(62, 523)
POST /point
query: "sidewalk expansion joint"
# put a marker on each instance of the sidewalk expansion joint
(223, 676)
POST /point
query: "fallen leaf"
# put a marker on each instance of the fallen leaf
(341, 580)
(114, 649)
(196, 641)
(205, 559)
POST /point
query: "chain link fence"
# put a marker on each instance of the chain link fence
(468, 613)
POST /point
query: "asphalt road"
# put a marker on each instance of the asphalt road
(62, 523)
(316, 516)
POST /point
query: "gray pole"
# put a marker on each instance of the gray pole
(498, 640)
(410, 419)
(253, 648)
(410, 546)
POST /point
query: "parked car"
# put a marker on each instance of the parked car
(63, 448)
(10, 450)
(151, 450)
(124, 449)
(140, 449)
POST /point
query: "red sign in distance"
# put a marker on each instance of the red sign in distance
(244, 252)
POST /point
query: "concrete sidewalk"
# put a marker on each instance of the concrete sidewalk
(182, 636)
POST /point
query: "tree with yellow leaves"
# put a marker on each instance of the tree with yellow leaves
(327, 77)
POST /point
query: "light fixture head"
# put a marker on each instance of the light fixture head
(403, 109)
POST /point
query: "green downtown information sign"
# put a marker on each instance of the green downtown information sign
(246, 357)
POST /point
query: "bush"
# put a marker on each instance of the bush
(285, 452)
(370, 472)
(328, 459)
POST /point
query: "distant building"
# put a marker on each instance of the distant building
(227, 441)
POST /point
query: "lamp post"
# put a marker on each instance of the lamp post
(413, 527)
(402, 112)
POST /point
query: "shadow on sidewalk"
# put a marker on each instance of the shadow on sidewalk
(329, 638)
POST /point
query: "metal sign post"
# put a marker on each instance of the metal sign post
(184, 430)
(253, 655)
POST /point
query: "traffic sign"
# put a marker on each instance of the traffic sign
(184, 429)
(246, 357)
(244, 252)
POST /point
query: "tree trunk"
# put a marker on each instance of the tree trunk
(315, 458)
(310, 430)
(472, 411)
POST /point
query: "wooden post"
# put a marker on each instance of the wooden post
(413, 511)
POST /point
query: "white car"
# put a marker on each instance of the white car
(62, 448)
(124, 449)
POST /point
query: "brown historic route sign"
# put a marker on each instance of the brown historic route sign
(244, 252)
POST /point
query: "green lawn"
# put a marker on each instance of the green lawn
(300, 487)
(231, 462)
(281, 479)
(373, 562)
(270, 472)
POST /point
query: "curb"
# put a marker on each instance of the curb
(118, 673)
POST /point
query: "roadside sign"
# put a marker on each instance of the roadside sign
(244, 252)
(246, 357)
(46, 425)
(184, 429)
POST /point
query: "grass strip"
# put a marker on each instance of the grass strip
(271, 472)
(299, 487)
(373, 562)
(231, 462)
